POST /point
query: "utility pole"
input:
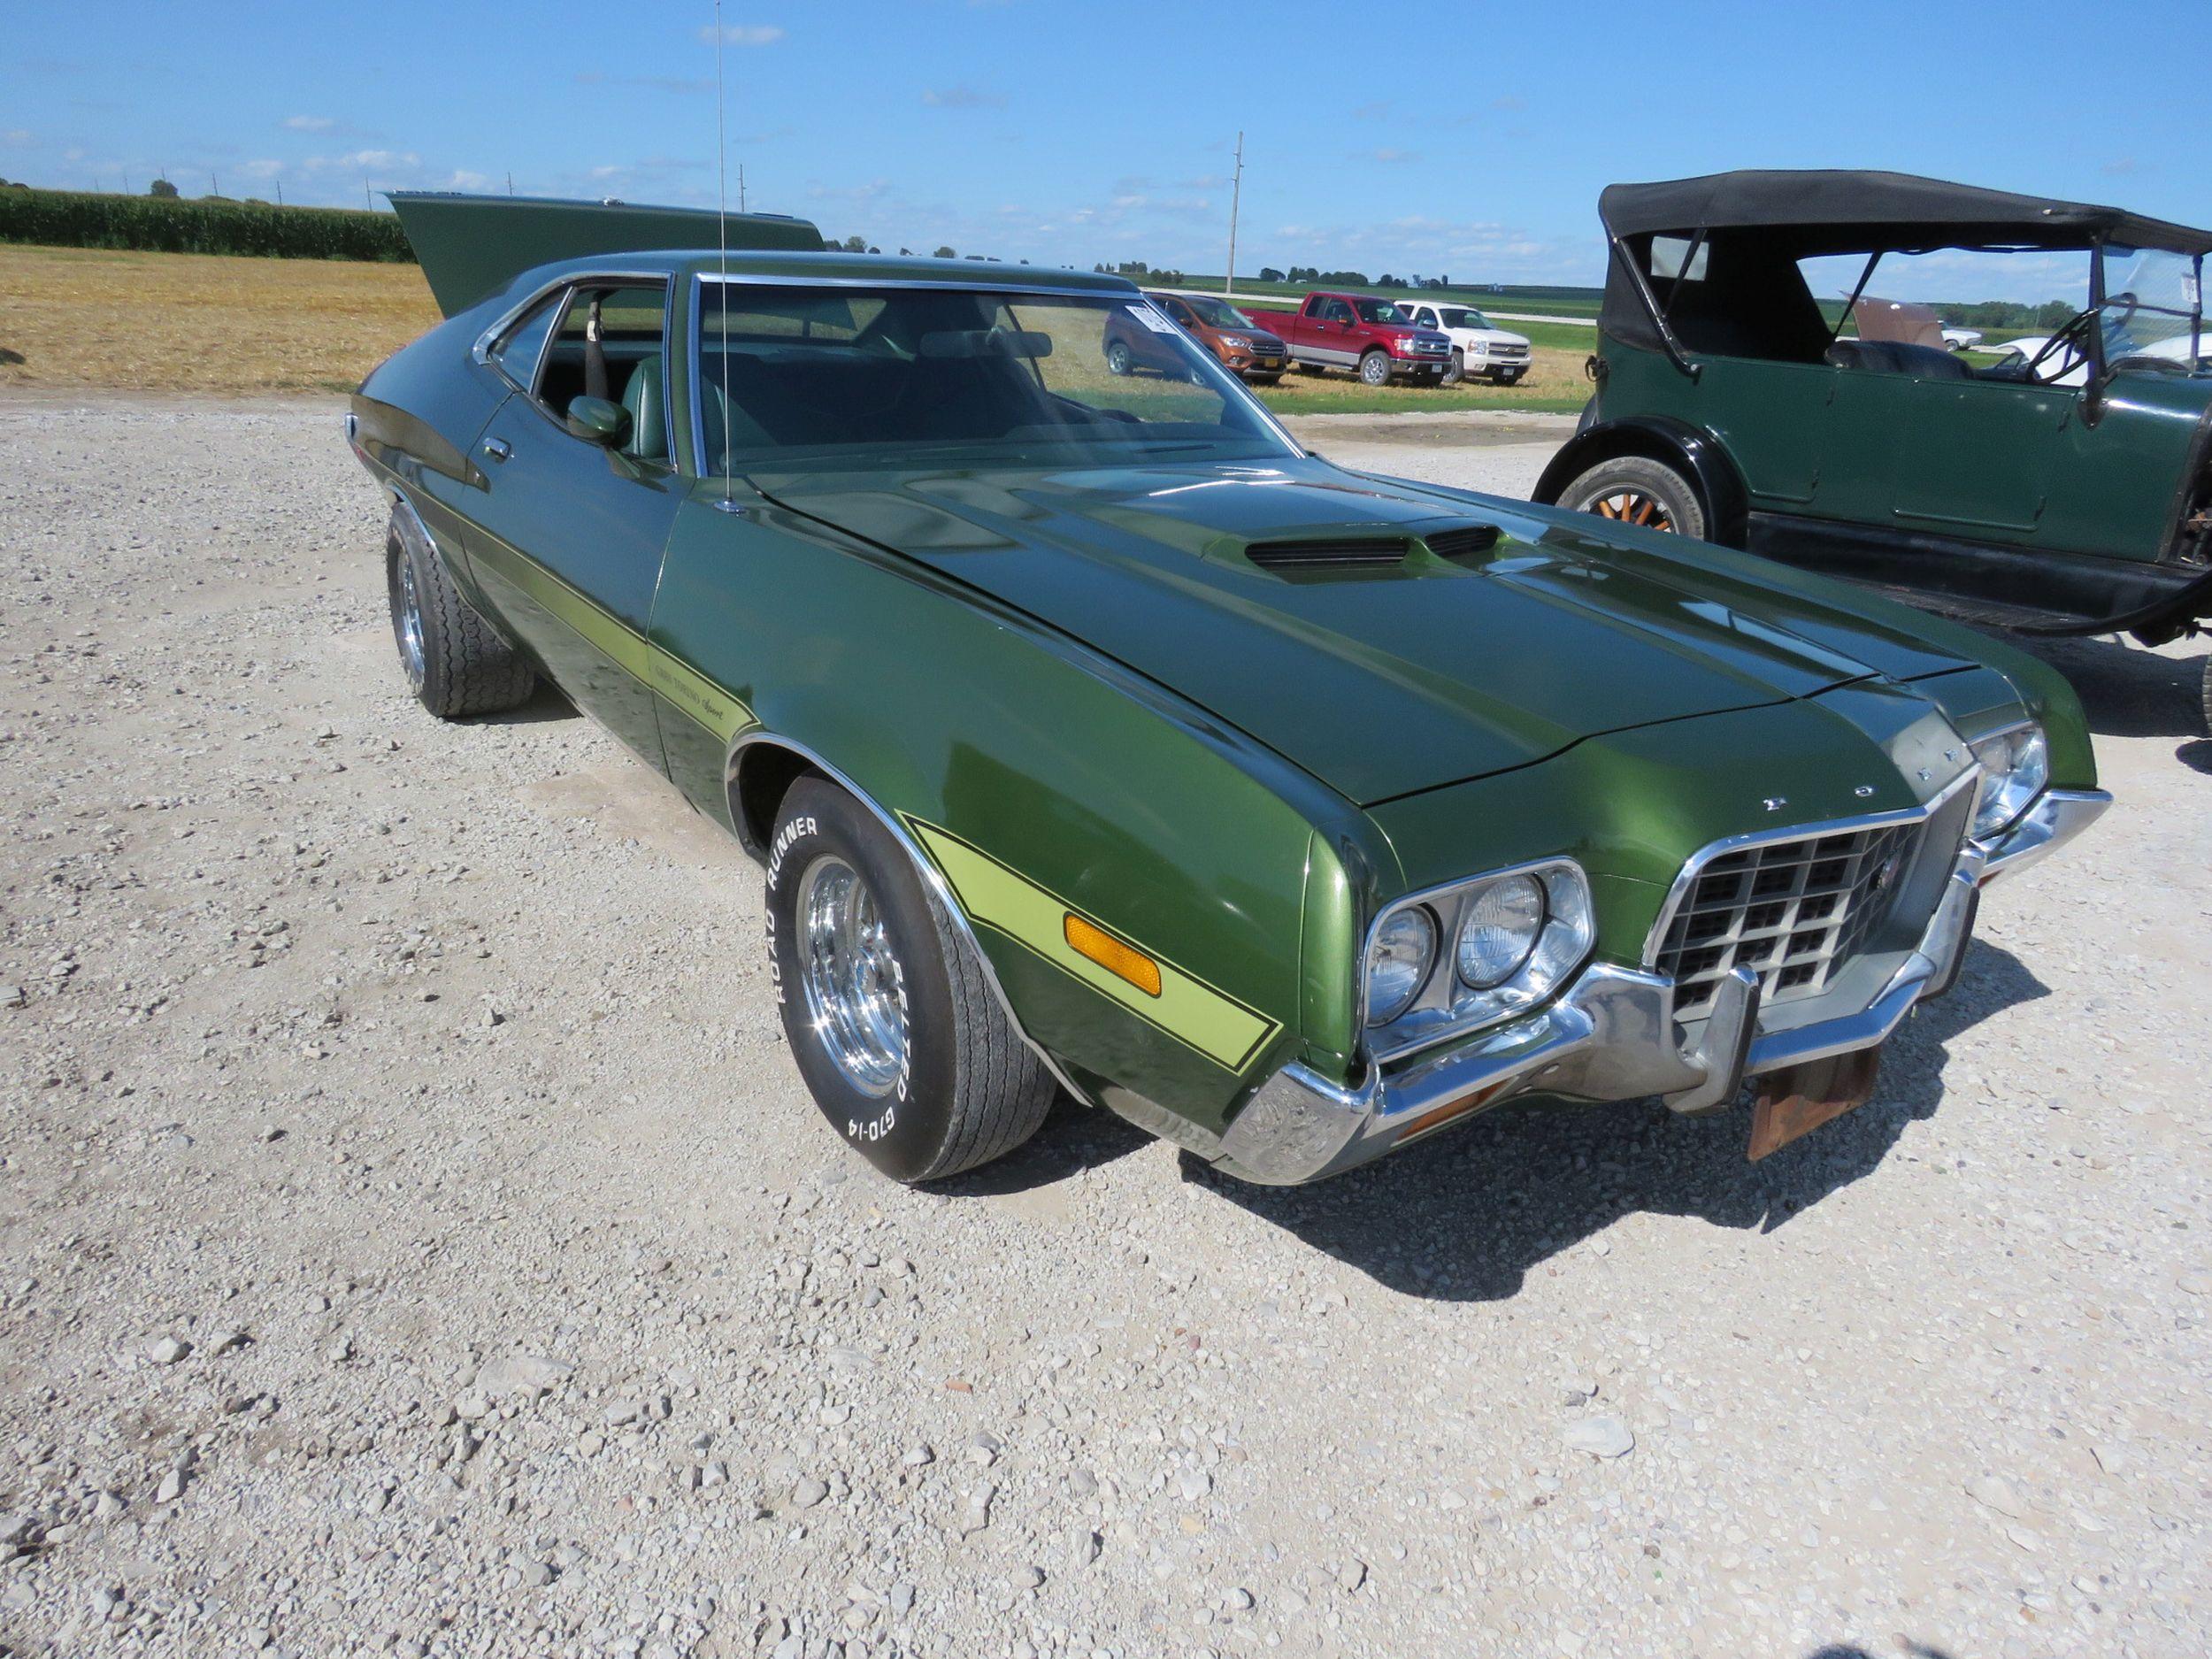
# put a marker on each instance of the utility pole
(741, 187)
(368, 202)
(280, 185)
(510, 181)
(1236, 201)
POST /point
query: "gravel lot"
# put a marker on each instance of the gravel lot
(416, 1241)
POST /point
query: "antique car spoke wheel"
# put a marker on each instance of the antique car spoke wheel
(1635, 489)
(856, 994)
(407, 624)
(892, 1015)
(1632, 506)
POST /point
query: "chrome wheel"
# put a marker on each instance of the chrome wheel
(1634, 506)
(855, 990)
(407, 622)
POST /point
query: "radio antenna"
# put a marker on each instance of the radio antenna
(722, 228)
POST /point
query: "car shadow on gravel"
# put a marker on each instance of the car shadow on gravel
(1469, 1215)
(547, 702)
(2126, 692)
(1074, 1139)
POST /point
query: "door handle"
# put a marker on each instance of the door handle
(498, 448)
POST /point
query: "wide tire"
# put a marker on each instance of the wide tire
(1634, 489)
(952, 1084)
(1455, 371)
(1374, 369)
(455, 662)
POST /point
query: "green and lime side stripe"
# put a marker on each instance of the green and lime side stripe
(1226, 1032)
(684, 687)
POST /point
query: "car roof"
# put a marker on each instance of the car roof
(1861, 213)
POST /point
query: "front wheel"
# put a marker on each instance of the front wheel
(1635, 489)
(1455, 371)
(1374, 368)
(889, 1011)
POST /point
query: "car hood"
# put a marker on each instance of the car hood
(1380, 680)
(1492, 336)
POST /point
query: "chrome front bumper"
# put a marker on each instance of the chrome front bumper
(1612, 1035)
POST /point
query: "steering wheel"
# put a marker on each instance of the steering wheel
(2074, 337)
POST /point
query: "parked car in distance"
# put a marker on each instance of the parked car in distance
(1369, 335)
(1962, 339)
(1480, 349)
(2065, 490)
(1094, 736)
(1243, 347)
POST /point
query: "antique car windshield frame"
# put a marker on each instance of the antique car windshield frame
(1228, 386)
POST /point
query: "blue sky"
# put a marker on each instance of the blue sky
(1427, 138)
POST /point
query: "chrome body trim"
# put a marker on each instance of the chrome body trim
(1612, 1036)
(2054, 817)
(931, 879)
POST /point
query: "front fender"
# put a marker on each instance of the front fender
(1691, 450)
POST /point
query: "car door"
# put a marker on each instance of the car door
(1964, 456)
(572, 533)
(1331, 339)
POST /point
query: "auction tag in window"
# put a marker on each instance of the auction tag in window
(1153, 319)
(2189, 289)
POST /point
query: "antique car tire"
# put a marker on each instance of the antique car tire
(1117, 360)
(455, 662)
(1636, 489)
(1456, 371)
(1374, 369)
(903, 1041)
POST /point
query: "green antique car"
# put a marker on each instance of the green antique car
(2065, 489)
(1094, 736)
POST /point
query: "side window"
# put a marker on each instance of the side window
(1668, 253)
(1426, 318)
(1335, 311)
(518, 350)
(609, 345)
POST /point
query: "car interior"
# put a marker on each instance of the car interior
(611, 344)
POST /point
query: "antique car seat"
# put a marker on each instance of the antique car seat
(1894, 357)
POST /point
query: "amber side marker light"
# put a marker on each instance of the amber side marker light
(1111, 953)
(1440, 1115)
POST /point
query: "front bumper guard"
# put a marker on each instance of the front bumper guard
(1612, 1035)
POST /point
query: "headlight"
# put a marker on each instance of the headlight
(1498, 931)
(1236, 343)
(2015, 765)
(1514, 938)
(1398, 963)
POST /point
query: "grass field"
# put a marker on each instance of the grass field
(174, 322)
(180, 322)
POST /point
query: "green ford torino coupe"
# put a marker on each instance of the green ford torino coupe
(1096, 736)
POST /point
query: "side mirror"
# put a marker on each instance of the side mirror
(595, 420)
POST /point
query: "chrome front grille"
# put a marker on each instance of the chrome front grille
(1794, 912)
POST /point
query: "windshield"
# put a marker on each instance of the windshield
(1378, 312)
(1218, 312)
(1462, 317)
(858, 376)
(2153, 310)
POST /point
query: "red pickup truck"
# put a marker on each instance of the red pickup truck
(1370, 336)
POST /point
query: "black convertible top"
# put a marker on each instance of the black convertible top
(1860, 212)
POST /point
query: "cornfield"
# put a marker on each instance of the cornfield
(70, 219)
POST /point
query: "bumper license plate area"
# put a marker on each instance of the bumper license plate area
(1798, 1099)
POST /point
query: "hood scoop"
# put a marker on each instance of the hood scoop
(1324, 556)
(1366, 552)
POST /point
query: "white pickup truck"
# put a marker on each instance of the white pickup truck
(1477, 349)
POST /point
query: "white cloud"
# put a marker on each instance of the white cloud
(310, 123)
(17, 138)
(744, 35)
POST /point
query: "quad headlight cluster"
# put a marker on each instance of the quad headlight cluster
(1472, 954)
(2015, 766)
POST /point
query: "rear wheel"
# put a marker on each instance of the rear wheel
(455, 661)
(888, 1009)
(1635, 489)
(1374, 368)
(1117, 358)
